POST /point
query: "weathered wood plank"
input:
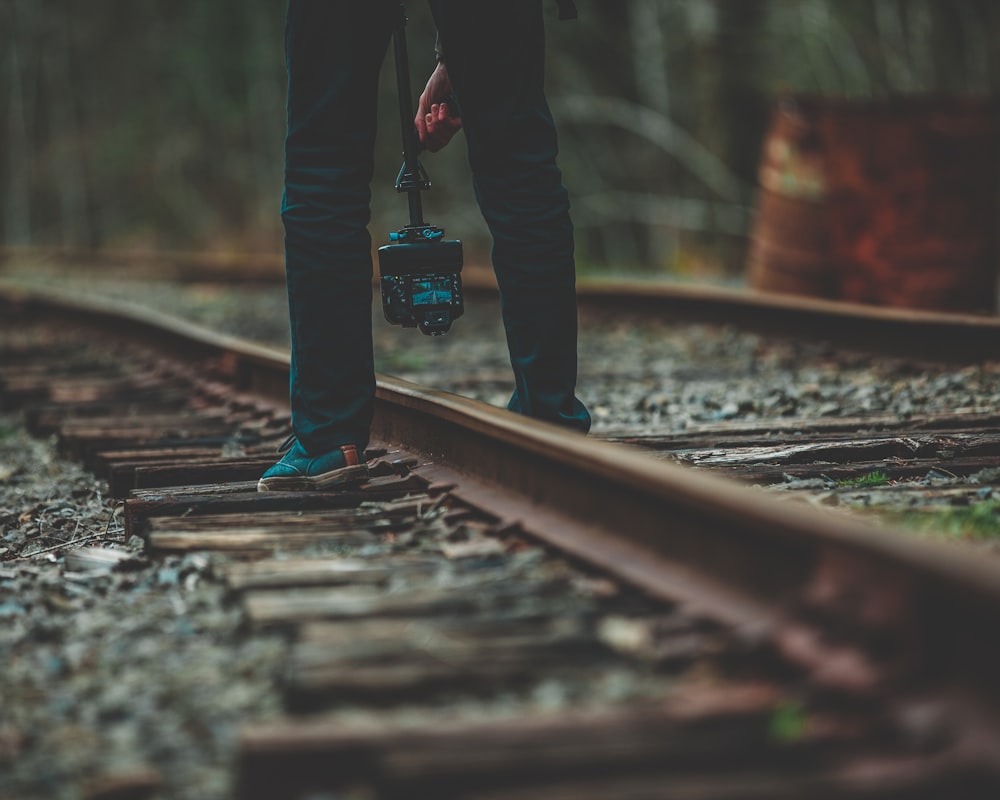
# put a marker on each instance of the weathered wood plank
(338, 634)
(375, 489)
(226, 499)
(330, 517)
(389, 672)
(298, 572)
(393, 656)
(178, 420)
(44, 418)
(849, 450)
(243, 497)
(309, 604)
(85, 448)
(112, 458)
(120, 473)
(18, 391)
(836, 452)
(109, 384)
(192, 527)
(57, 369)
(303, 605)
(894, 470)
(107, 462)
(255, 541)
(451, 757)
(743, 784)
(202, 470)
(205, 491)
(767, 431)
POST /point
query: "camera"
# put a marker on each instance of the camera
(421, 279)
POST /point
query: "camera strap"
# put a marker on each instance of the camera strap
(411, 179)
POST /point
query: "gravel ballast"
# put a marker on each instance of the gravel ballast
(130, 672)
(117, 673)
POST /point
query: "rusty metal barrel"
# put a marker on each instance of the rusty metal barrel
(909, 208)
(790, 242)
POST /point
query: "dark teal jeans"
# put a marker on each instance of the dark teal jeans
(495, 55)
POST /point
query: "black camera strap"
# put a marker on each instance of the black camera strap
(411, 179)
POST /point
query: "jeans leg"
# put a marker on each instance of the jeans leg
(495, 52)
(334, 50)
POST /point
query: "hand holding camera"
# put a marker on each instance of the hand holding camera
(435, 122)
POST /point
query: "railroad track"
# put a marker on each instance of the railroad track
(913, 466)
(772, 650)
(932, 469)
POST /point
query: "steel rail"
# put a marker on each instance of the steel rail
(679, 534)
(924, 334)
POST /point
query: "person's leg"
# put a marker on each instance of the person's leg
(495, 53)
(334, 51)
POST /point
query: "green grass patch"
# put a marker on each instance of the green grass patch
(404, 361)
(979, 522)
(876, 478)
(788, 722)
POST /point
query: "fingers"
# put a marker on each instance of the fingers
(435, 141)
(432, 138)
(435, 115)
(420, 120)
(436, 126)
(434, 123)
(424, 122)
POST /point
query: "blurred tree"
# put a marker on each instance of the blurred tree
(139, 123)
(19, 23)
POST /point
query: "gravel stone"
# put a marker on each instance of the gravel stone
(107, 673)
(144, 674)
(654, 373)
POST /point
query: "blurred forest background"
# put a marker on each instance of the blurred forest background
(150, 125)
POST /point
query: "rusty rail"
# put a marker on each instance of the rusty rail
(923, 612)
(945, 336)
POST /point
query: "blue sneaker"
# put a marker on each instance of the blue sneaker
(297, 471)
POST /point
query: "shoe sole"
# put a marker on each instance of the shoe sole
(315, 483)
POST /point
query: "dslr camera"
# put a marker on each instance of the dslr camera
(421, 279)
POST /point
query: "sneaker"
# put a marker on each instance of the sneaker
(297, 471)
